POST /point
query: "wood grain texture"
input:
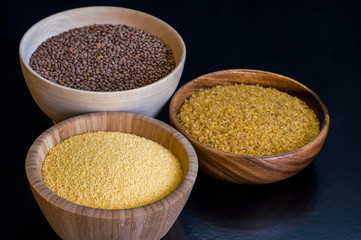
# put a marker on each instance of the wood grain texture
(59, 102)
(73, 221)
(251, 169)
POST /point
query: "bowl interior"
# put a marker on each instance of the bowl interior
(263, 78)
(63, 21)
(140, 125)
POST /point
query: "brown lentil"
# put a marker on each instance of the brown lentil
(248, 120)
(111, 170)
(103, 57)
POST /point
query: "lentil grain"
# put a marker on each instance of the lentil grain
(129, 56)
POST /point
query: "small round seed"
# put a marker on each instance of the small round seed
(103, 57)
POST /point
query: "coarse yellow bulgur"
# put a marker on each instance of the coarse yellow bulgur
(248, 120)
(111, 170)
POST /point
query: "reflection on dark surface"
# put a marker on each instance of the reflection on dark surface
(176, 232)
(218, 208)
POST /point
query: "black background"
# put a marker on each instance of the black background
(317, 43)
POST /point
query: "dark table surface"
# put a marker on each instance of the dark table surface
(317, 43)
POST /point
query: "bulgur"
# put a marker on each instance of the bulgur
(248, 120)
(111, 170)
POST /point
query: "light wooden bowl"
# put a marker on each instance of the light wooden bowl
(73, 221)
(59, 102)
(252, 169)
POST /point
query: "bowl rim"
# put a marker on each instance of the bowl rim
(36, 182)
(177, 68)
(323, 129)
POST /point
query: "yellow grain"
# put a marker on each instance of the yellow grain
(248, 120)
(111, 170)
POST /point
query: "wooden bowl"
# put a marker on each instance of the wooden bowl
(73, 221)
(252, 169)
(59, 102)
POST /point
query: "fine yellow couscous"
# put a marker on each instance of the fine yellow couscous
(248, 120)
(111, 170)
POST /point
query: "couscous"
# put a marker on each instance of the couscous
(248, 120)
(111, 170)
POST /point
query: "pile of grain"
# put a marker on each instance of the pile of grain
(103, 57)
(248, 120)
(111, 170)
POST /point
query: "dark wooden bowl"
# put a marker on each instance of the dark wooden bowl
(73, 221)
(252, 169)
